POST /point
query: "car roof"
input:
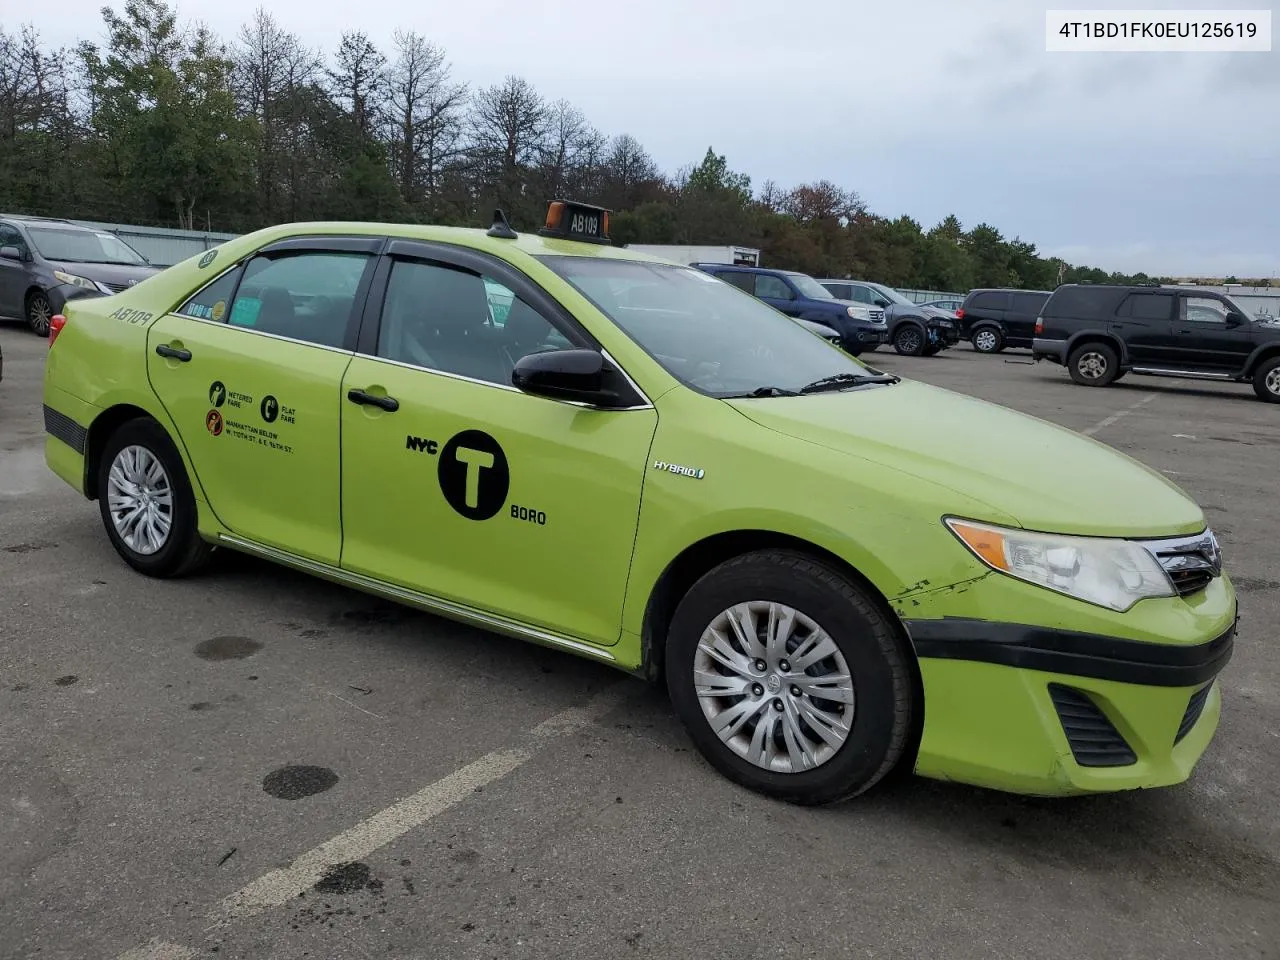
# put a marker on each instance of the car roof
(25, 218)
(1006, 290)
(1118, 286)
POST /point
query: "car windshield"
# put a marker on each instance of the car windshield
(82, 246)
(810, 287)
(708, 334)
(893, 296)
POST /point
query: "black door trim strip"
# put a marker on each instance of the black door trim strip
(1072, 653)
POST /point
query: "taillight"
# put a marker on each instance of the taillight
(960, 313)
(55, 327)
(1039, 325)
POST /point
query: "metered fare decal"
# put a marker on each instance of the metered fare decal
(269, 409)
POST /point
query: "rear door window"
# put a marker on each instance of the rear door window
(305, 296)
(743, 281)
(1147, 306)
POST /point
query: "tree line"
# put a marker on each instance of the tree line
(165, 124)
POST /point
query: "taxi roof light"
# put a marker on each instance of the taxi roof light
(570, 220)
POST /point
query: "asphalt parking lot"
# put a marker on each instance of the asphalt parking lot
(256, 764)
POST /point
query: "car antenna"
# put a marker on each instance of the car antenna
(501, 228)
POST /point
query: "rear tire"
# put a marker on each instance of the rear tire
(1093, 365)
(1266, 381)
(146, 502)
(860, 692)
(909, 340)
(988, 340)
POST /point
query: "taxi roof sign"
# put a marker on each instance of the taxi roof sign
(568, 220)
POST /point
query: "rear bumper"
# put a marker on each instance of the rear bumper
(1052, 350)
(1048, 712)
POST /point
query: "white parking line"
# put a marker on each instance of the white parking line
(281, 886)
(1103, 424)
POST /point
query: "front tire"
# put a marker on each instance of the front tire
(39, 313)
(1093, 365)
(909, 340)
(1266, 381)
(146, 502)
(988, 340)
(789, 678)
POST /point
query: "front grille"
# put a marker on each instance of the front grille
(1094, 741)
(1190, 562)
(876, 315)
(1195, 707)
(116, 287)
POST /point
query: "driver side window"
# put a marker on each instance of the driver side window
(772, 287)
(1203, 310)
(861, 294)
(452, 320)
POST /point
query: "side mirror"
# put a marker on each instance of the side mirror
(577, 375)
(11, 253)
(1234, 319)
(881, 302)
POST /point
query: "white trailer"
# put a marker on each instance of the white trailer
(738, 256)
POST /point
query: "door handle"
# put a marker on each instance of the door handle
(174, 353)
(390, 404)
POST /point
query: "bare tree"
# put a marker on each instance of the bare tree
(567, 136)
(359, 82)
(626, 168)
(424, 114)
(508, 126)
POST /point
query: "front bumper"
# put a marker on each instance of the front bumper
(944, 335)
(62, 294)
(1042, 710)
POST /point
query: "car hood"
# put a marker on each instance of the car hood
(842, 304)
(1046, 477)
(113, 273)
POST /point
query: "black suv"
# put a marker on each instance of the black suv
(45, 262)
(800, 296)
(992, 319)
(1102, 332)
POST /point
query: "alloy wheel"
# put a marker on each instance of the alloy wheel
(140, 500)
(985, 341)
(909, 341)
(1272, 381)
(39, 314)
(1092, 365)
(774, 686)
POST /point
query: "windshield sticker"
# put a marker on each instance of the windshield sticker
(473, 475)
(208, 258)
(697, 473)
(219, 311)
(131, 316)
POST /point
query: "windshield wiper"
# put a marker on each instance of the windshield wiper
(841, 380)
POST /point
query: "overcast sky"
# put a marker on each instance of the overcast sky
(1168, 163)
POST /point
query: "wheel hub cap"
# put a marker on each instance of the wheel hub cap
(910, 341)
(1273, 381)
(796, 712)
(140, 500)
(986, 341)
(1093, 365)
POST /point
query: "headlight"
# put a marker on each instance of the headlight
(858, 313)
(1114, 574)
(84, 282)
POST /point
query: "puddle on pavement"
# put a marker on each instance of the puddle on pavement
(296, 782)
(227, 648)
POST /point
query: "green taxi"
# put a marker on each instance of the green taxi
(837, 572)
